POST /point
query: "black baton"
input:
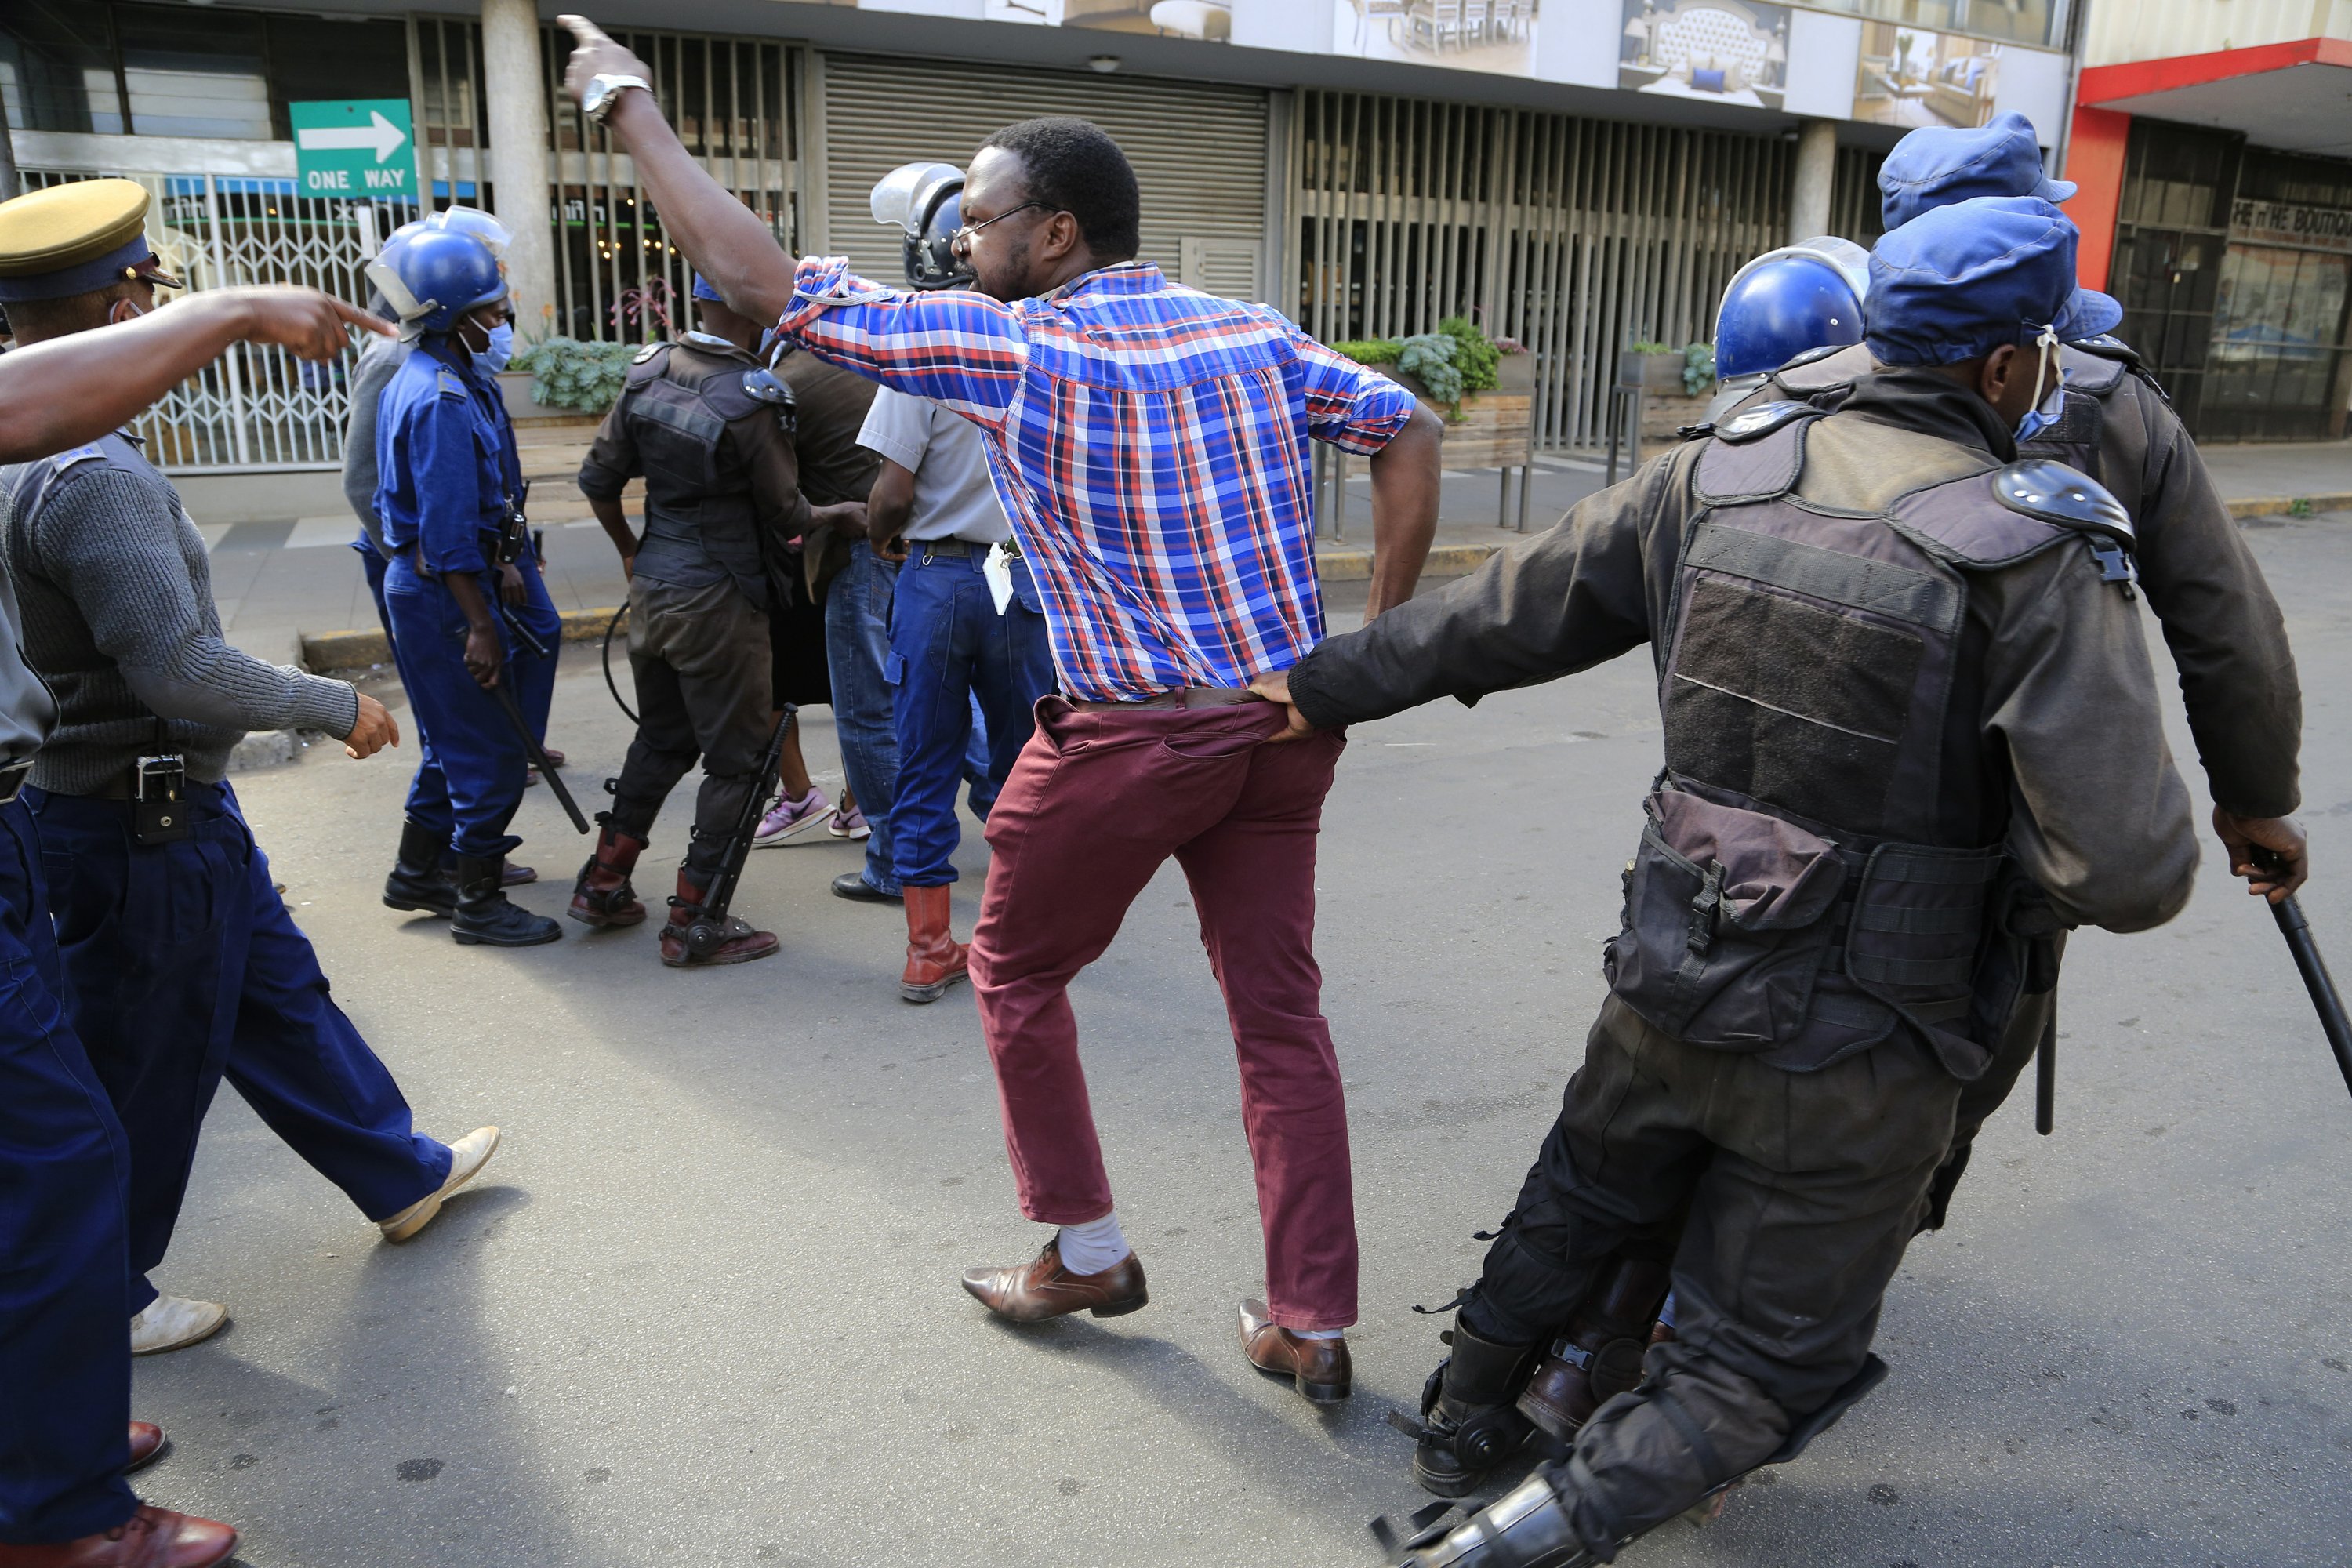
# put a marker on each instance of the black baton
(2296, 929)
(504, 691)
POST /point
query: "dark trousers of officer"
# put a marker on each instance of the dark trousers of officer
(701, 659)
(948, 645)
(65, 1170)
(471, 777)
(1802, 1190)
(372, 566)
(185, 966)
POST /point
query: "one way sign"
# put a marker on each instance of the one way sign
(354, 147)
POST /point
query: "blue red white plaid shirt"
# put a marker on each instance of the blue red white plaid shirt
(1148, 442)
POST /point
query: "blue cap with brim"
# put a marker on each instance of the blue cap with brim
(1938, 165)
(703, 291)
(1959, 281)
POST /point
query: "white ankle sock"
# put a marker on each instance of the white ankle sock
(1091, 1247)
(1318, 1333)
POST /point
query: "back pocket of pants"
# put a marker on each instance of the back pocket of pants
(1725, 927)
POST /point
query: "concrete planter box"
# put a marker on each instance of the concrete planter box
(514, 391)
(1488, 429)
(1662, 417)
(1653, 372)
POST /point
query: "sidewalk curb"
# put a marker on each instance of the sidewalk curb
(2274, 506)
(358, 649)
(1340, 564)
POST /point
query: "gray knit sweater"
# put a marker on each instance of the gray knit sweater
(116, 596)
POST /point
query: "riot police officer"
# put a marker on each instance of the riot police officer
(462, 586)
(710, 430)
(1884, 643)
(2104, 415)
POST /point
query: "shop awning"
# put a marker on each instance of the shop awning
(2294, 96)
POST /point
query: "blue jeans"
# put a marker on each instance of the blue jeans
(182, 966)
(857, 646)
(948, 645)
(65, 1355)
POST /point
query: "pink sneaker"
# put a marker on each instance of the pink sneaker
(788, 818)
(850, 824)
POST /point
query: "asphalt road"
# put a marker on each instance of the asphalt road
(703, 1307)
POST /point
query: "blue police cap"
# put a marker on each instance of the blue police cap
(1938, 165)
(703, 291)
(1960, 281)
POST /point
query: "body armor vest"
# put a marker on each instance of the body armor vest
(680, 400)
(1816, 869)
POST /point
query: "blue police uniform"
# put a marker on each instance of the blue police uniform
(183, 963)
(447, 465)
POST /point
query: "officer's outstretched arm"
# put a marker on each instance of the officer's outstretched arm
(1585, 591)
(58, 395)
(728, 244)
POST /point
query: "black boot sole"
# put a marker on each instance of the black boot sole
(478, 939)
(1450, 1483)
(418, 906)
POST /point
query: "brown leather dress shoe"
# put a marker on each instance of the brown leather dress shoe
(151, 1538)
(1319, 1369)
(146, 1444)
(1042, 1289)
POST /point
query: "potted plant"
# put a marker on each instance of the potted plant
(1483, 387)
(515, 382)
(1652, 366)
(566, 373)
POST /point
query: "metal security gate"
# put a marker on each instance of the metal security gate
(1199, 151)
(253, 408)
(1576, 236)
(737, 103)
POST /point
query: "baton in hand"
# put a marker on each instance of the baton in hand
(504, 692)
(2296, 929)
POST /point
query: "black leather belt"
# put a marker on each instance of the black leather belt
(935, 549)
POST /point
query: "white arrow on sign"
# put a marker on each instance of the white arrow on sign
(380, 134)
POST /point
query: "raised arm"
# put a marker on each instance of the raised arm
(58, 395)
(729, 244)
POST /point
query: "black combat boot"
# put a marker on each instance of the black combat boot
(485, 916)
(417, 882)
(1467, 1423)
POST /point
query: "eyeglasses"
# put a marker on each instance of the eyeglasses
(962, 237)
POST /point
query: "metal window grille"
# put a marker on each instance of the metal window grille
(1576, 236)
(254, 407)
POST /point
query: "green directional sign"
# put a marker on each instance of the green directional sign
(355, 147)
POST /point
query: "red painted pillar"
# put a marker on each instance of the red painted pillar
(2094, 161)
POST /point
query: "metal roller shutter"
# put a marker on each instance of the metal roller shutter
(1199, 151)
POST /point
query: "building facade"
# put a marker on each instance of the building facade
(2213, 145)
(1577, 174)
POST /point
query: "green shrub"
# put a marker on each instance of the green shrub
(1698, 368)
(1429, 358)
(568, 373)
(1369, 351)
(1474, 355)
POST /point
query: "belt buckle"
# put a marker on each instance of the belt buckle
(12, 779)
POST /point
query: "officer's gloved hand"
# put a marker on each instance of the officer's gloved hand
(2272, 853)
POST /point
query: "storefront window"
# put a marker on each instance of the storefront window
(2278, 322)
(56, 69)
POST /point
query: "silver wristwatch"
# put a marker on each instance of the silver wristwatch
(604, 91)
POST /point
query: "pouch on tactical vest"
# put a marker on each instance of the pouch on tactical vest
(698, 494)
(1814, 872)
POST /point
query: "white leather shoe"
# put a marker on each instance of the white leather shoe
(467, 1155)
(170, 1322)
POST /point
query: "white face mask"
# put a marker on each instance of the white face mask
(2046, 410)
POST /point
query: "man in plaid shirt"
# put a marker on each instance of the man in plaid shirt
(1150, 445)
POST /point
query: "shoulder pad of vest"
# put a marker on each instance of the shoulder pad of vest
(2046, 489)
(1760, 419)
(1822, 369)
(763, 387)
(647, 352)
(1809, 355)
(2106, 345)
(2088, 370)
(1757, 463)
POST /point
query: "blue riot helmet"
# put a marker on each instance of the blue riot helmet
(925, 203)
(432, 278)
(1786, 301)
(461, 220)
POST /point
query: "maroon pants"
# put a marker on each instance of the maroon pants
(1098, 799)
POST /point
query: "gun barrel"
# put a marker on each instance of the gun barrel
(2294, 926)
